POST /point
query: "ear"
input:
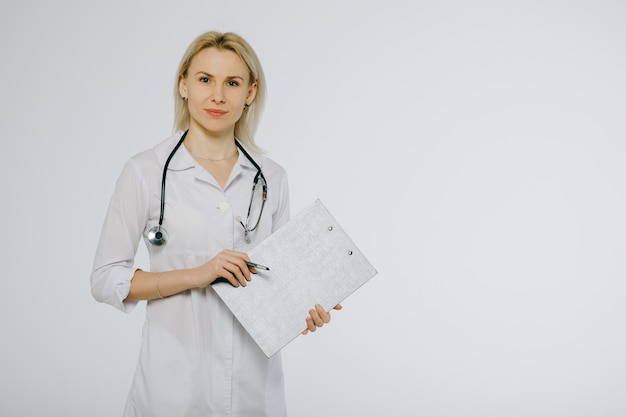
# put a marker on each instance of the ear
(182, 87)
(251, 93)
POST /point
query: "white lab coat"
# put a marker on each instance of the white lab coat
(195, 358)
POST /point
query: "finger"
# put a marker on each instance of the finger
(310, 326)
(250, 268)
(228, 277)
(238, 260)
(238, 275)
(234, 275)
(244, 268)
(323, 314)
(338, 307)
(225, 276)
(240, 268)
(315, 318)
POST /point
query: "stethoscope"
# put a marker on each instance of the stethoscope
(157, 235)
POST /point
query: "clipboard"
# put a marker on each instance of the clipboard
(312, 261)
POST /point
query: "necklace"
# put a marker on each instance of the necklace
(210, 159)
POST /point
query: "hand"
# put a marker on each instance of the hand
(228, 264)
(318, 317)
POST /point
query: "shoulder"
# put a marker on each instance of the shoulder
(153, 159)
(269, 166)
(158, 153)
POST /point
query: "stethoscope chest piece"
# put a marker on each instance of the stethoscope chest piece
(157, 236)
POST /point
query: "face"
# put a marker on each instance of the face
(217, 87)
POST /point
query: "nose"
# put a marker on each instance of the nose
(217, 94)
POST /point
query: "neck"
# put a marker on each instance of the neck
(211, 145)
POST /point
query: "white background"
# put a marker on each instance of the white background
(474, 151)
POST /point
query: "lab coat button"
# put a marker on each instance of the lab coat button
(224, 207)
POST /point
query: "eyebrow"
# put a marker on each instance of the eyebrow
(230, 77)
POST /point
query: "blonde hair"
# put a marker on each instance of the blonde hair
(246, 126)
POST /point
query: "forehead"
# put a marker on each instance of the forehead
(218, 62)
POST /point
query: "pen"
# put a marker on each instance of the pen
(252, 264)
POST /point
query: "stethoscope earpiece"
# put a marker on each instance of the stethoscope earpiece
(157, 236)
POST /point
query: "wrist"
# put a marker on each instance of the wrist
(192, 278)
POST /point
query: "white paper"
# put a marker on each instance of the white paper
(312, 261)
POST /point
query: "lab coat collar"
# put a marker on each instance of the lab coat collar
(182, 160)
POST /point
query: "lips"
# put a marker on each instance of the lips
(215, 112)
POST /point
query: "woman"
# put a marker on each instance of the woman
(189, 199)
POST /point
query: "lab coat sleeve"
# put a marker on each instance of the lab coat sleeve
(122, 229)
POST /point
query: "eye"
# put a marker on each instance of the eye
(233, 83)
(204, 79)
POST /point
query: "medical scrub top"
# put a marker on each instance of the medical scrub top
(195, 357)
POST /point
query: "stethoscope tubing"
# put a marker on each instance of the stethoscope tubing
(157, 235)
(167, 163)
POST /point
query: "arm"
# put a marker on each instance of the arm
(114, 279)
(228, 264)
(121, 231)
